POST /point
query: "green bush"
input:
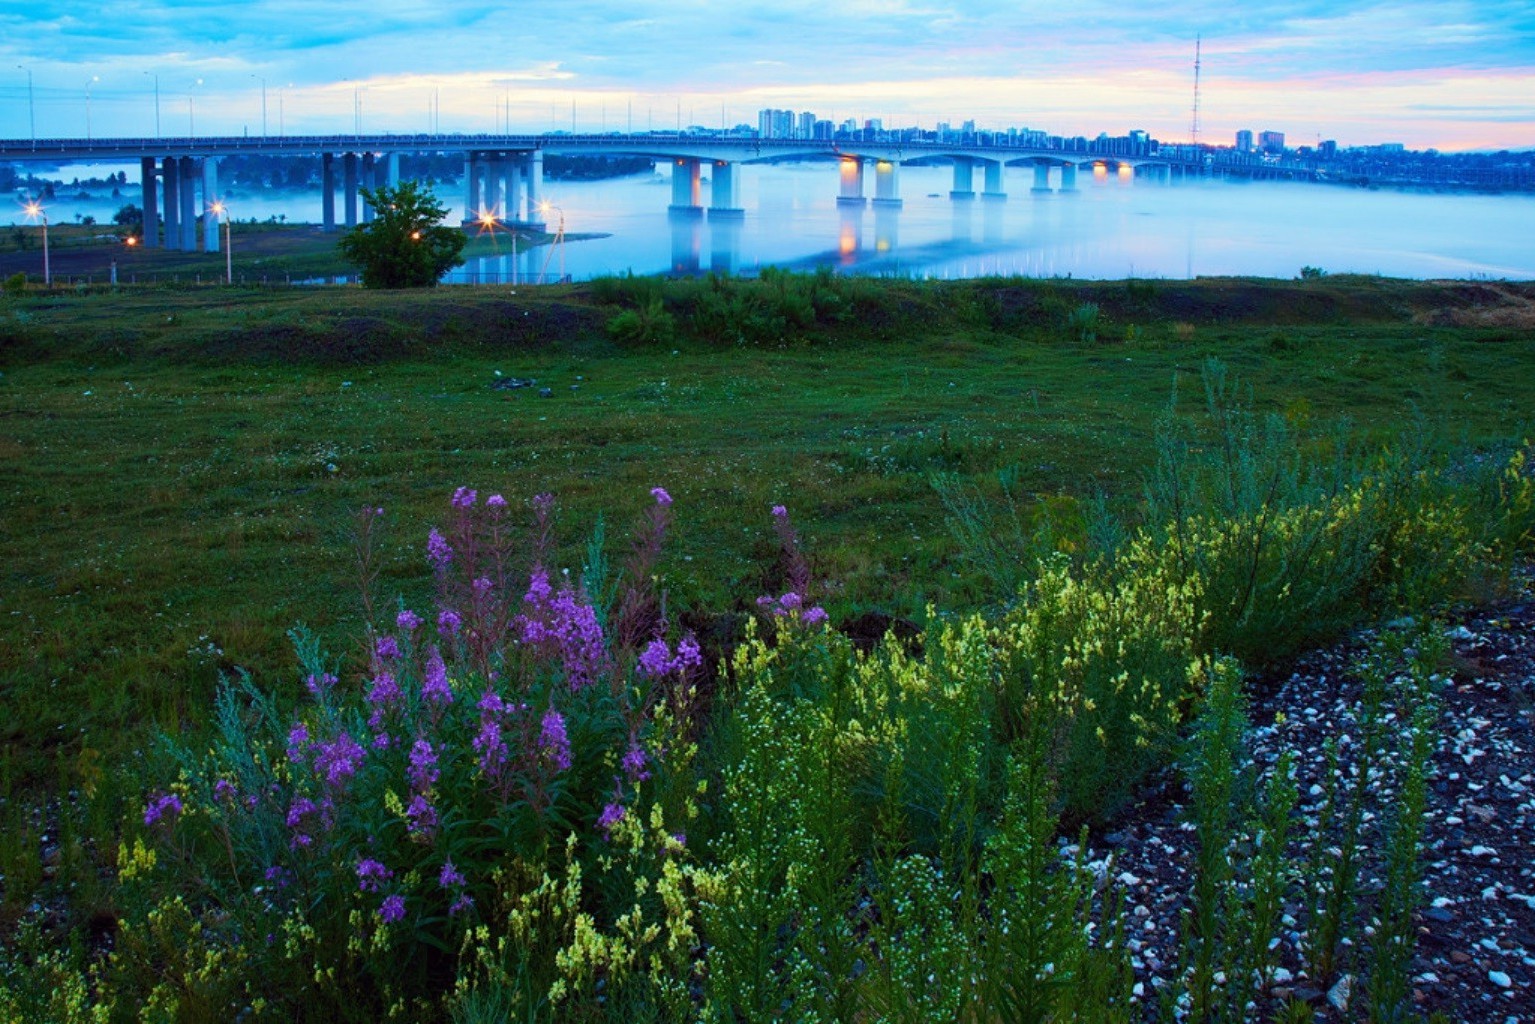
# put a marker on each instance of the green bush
(650, 325)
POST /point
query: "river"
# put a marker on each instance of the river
(1111, 227)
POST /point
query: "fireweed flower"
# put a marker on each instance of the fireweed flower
(495, 501)
(371, 875)
(491, 747)
(464, 497)
(611, 815)
(438, 552)
(656, 659)
(662, 498)
(449, 622)
(303, 814)
(339, 760)
(164, 807)
(450, 876)
(387, 647)
(420, 816)
(565, 626)
(223, 789)
(634, 763)
(554, 741)
(298, 741)
(423, 766)
(392, 909)
(814, 616)
(319, 684)
(407, 621)
(434, 680)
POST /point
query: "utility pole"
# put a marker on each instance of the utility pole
(1194, 127)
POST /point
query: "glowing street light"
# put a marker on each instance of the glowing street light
(221, 209)
(558, 241)
(35, 209)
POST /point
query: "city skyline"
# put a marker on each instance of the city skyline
(1449, 75)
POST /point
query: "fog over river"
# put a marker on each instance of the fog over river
(1111, 227)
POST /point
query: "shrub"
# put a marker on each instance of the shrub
(16, 284)
(406, 245)
(650, 325)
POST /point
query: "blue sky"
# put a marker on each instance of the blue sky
(1452, 74)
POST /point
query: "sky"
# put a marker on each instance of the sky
(1445, 74)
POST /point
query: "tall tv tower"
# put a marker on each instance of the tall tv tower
(1194, 127)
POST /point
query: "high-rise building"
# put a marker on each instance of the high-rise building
(1244, 141)
(1271, 142)
(806, 126)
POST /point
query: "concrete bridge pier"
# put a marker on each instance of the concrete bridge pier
(210, 197)
(349, 188)
(687, 188)
(1042, 178)
(964, 180)
(887, 184)
(389, 172)
(171, 173)
(327, 191)
(149, 202)
(188, 197)
(994, 189)
(516, 205)
(1068, 177)
(851, 171)
(494, 171)
(472, 170)
(722, 192)
(533, 168)
(369, 180)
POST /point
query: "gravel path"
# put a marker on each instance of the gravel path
(1475, 957)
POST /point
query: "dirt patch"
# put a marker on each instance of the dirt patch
(1463, 304)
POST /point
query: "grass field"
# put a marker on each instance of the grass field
(181, 468)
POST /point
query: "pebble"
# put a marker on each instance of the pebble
(1499, 979)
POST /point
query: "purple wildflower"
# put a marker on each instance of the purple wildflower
(656, 659)
(383, 691)
(277, 876)
(495, 501)
(319, 684)
(543, 504)
(392, 909)
(662, 498)
(791, 601)
(166, 806)
(434, 680)
(566, 627)
(407, 621)
(449, 876)
(464, 497)
(387, 647)
(371, 875)
(634, 763)
(461, 905)
(423, 766)
(491, 702)
(481, 586)
(420, 816)
(448, 622)
(611, 815)
(438, 552)
(814, 616)
(779, 512)
(299, 812)
(298, 741)
(339, 759)
(491, 747)
(554, 741)
(223, 789)
(539, 590)
(688, 654)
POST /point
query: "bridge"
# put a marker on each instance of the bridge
(503, 174)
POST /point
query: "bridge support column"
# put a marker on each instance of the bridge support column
(722, 193)
(964, 180)
(188, 197)
(687, 187)
(327, 192)
(349, 187)
(851, 171)
(994, 188)
(370, 179)
(392, 170)
(493, 173)
(210, 196)
(472, 169)
(517, 212)
(1068, 177)
(171, 172)
(1042, 178)
(149, 203)
(534, 168)
(887, 183)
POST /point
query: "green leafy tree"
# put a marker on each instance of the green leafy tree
(405, 245)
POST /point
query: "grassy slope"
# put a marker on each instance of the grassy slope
(165, 456)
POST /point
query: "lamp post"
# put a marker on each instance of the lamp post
(93, 81)
(191, 114)
(221, 209)
(31, 107)
(263, 103)
(156, 77)
(35, 209)
(557, 243)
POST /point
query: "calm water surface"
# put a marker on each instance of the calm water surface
(1110, 228)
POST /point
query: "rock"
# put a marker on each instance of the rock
(545, 392)
(1460, 957)
(1499, 979)
(1338, 996)
(1438, 914)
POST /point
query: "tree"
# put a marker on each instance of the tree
(406, 245)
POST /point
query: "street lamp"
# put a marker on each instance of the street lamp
(557, 243)
(191, 113)
(31, 107)
(35, 209)
(93, 81)
(221, 209)
(156, 77)
(263, 103)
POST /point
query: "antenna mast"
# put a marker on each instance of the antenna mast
(1194, 127)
